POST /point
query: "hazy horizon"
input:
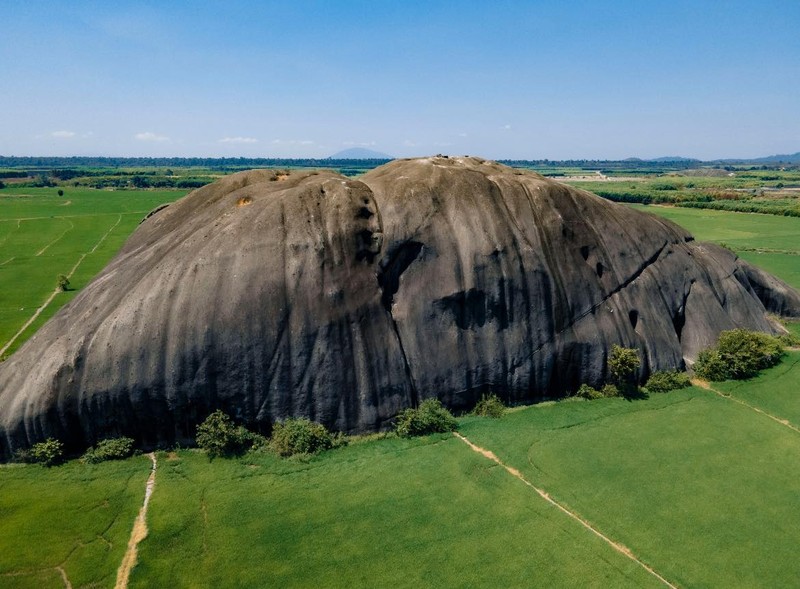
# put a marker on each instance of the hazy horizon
(554, 80)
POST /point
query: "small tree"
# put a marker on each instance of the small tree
(218, 436)
(623, 364)
(60, 192)
(63, 283)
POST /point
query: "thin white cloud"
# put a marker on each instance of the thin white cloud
(506, 127)
(238, 140)
(359, 143)
(150, 136)
(63, 134)
(409, 143)
(462, 134)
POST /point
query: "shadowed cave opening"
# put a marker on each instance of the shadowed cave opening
(392, 267)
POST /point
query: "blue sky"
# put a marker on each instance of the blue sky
(547, 79)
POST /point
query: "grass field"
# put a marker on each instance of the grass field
(699, 486)
(769, 241)
(75, 517)
(391, 513)
(43, 235)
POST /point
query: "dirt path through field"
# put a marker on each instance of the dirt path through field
(139, 531)
(707, 386)
(544, 495)
(57, 290)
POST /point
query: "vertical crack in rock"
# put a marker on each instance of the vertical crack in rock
(392, 266)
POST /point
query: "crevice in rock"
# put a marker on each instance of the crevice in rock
(392, 267)
(649, 262)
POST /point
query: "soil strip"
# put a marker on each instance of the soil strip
(544, 495)
(139, 531)
(707, 386)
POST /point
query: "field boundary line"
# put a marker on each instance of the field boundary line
(57, 290)
(624, 550)
(67, 230)
(139, 531)
(703, 384)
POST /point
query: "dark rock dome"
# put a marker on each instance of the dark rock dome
(345, 301)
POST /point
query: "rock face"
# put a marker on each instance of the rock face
(345, 301)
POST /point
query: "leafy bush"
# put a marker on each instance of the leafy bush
(587, 392)
(590, 393)
(789, 339)
(610, 390)
(738, 354)
(489, 406)
(109, 449)
(218, 436)
(429, 418)
(663, 381)
(49, 452)
(301, 436)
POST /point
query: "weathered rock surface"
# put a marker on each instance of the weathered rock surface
(345, 301)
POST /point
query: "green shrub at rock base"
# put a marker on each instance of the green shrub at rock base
(109, 449)
(489, 406)
(218, 436)
(623, 364)
(739, 354)
(610, 390)
(429, 418)
(48, 453)
(663, 381)
(589, 393)
(302, 436)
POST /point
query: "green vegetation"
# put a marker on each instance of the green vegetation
(623, 364)
(109, 449)
(219, 436)
(701, 488)
(397, 512)
(739, 354)
(429, 418)
(301, 436)
(590, 393)
(489, 406)
(62, 282)
(49, 452)
(77, 517)
(694, 484)
(663, 381)
(732, 189)
(43, 235)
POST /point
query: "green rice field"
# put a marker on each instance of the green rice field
(43, 235)
(693, 488)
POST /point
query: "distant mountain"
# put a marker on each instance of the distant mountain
(359, 153)
(673, 158)
(792, 158)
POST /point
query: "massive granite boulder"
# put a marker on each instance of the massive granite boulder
(310, 294)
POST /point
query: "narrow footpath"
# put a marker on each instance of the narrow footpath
(544, 495)
(139, 531)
